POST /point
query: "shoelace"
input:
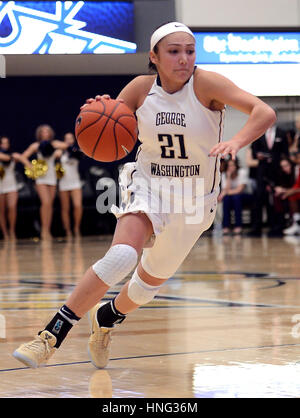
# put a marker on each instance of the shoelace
(105, 339)
(35, 345)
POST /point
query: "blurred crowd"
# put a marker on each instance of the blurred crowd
(268, 185)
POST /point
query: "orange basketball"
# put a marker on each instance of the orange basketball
(106, 130)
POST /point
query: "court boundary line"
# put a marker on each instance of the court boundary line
(220, 350)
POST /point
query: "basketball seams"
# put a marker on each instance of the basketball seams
(116, 141)
(93, 111)
(92, 123)
(109, 127)
(125, 127)
(108, 117)
(115, 120)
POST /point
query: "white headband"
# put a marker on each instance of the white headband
(166, 30)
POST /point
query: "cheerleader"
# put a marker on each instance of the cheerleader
(8, 188)
(45, 146)
(70, 186)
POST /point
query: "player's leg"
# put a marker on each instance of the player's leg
(52, 194)
(65, 211)
(12, 200)
(157, 264)
(131, 234)
(3, 216)
(45, 209)
(76, 196)
(132, 231)
(139, 290)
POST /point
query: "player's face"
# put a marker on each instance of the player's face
(45, 133)
(286, 166)
(69, 138)
(175, 59)
(4, 144)
(231, 168)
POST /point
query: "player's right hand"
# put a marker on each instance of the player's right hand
(98, 98)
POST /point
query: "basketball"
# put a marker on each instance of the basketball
(106, 130)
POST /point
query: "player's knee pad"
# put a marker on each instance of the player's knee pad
(139, 291)
(119, 261)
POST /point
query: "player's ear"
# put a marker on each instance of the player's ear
(153, 57)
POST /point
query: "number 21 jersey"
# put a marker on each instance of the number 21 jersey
(177, 133)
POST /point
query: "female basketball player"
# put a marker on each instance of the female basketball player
(70, 186)
(8, 188)
(180, 114)
(44, 147)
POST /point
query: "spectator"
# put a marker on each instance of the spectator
(45, 146)
(268, 151)
(293, 137)
(291, 193)
(234, 181)
(252, 164)
(8, 188)
(70, 186)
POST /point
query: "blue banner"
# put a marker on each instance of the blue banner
(66, 27)
(247, 47)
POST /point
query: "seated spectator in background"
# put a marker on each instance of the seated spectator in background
(268, 151)
(291, 193)
(234, 181)
(293, 137)
(252, 164)
(285, 180)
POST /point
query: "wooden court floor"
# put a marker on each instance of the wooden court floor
(226, 325)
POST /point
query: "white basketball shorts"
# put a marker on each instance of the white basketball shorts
(174, 235)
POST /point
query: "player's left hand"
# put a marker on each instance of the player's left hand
(225, 148)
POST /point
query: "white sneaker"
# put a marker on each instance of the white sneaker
(37, 351)
(99, 341)
(292, 230)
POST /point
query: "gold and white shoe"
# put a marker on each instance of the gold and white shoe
(37, 351)
(99, 341)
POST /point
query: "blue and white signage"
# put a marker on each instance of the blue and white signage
(263, 63)
(247, 47)
(66, 27)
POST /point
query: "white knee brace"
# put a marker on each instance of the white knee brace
(119, 260)
(139, 291)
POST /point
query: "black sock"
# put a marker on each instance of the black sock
(108, 315)
(61, 324)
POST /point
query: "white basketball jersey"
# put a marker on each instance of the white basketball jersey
(177, 132)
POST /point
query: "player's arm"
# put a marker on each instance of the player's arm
(58, 153)
(261, 115)
(60, 145)
(135, 92)
(31, 150)
(21, 159)
(4, 157)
